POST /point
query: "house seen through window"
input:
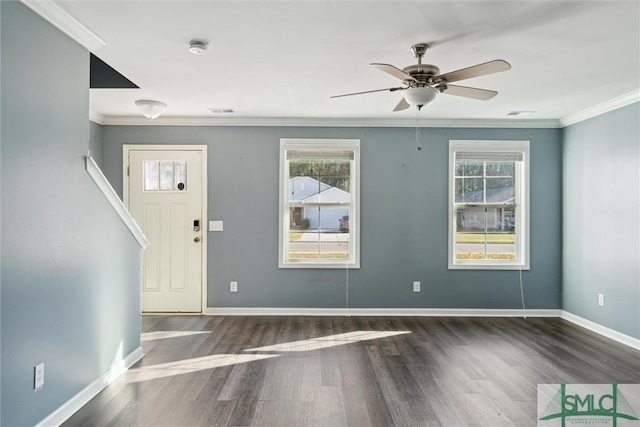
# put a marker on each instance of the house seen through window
(489, 204)
(319, 215)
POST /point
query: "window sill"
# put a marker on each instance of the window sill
(494, 266)
(319, 265)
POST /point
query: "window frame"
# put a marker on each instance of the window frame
(522, 203)
(298, 144)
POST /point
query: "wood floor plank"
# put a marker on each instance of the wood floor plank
(443, 372)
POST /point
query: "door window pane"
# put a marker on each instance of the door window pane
(151, 178)
(180, 176)
(165, 176)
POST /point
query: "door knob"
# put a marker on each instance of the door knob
(197, 239)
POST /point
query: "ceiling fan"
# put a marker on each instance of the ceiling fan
(422, 82)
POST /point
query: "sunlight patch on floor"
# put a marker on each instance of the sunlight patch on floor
(161, 335)
(328, 341)
(164, 370)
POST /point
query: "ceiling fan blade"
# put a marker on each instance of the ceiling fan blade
(402, 105)
(390, 89)
(470, 92)
(395, 72)
(495, 66)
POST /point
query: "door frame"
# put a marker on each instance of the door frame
(127, 148)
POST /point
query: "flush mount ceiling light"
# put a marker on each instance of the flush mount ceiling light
(198, 47)
(150, 109)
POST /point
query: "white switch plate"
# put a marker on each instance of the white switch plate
(38, 382)
(216, 225)
(233, 287)
(416, 286)
(601, 300)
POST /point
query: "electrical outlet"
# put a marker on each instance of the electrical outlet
(233, 287)
(38, 381)
(601, 300)
(416, 286)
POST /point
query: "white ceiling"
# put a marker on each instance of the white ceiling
(284, 59)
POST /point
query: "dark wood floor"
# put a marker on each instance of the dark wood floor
(443, 372)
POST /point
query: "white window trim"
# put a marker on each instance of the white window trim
(522, 227)
(283, 217)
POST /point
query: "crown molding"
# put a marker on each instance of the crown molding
(326, 122)
(605, 107)
(65, 23)
(96, 117)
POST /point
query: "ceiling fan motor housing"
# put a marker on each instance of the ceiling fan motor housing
(422, 73)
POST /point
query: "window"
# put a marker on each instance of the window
(489, 205)
(165, 176)
(319, 203)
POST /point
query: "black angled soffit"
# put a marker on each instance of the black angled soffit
(103, 76)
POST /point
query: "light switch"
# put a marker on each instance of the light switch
(216, 225)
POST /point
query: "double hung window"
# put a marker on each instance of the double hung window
(488, 204)
(319, 201)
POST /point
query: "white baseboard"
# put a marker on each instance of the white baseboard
(602, 330)
(69, 408)
(443, 312)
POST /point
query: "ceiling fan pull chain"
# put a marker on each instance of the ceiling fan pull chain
(418, 128)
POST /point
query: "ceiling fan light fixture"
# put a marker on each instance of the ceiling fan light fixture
(149, 108)
(420, 96)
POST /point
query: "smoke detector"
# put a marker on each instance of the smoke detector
(198, 47)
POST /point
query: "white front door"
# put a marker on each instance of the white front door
(165, 198)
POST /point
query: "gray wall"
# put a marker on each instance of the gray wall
(95, 142)
(601, 232)
(70, 269)
(403, 218)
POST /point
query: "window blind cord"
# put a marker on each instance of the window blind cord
(347, 288)
(524, 311)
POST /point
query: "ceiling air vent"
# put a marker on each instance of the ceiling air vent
(222, 110)
(521, 113)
